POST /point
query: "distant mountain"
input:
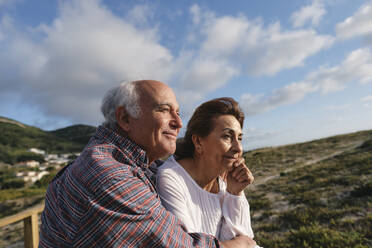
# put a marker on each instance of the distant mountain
(16, 138)
(7, 120)
(76, 133)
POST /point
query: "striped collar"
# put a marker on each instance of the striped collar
(133, 151)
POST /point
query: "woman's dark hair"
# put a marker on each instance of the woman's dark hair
(202, 122)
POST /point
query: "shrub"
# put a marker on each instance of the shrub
(13, 184)
(317, 236)
(45, 180)
(363, 190)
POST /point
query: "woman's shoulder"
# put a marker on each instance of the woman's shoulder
(170, 166)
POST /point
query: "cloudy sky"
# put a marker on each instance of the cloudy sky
(301, 70)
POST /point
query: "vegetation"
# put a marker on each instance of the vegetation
(76, 133)
(17, 138)
(319, 194)
(313, 194)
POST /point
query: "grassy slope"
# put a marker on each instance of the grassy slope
(76, 133)
(16, 138)
(315, 194)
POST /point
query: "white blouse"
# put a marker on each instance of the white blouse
(222, 215)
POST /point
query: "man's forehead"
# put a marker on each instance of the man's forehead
(155, 93)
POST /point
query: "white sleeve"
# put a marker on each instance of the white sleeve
(237, 219)
(172, 196)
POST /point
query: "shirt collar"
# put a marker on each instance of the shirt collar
(133, 151)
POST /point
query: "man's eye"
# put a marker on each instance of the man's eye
(164, 109)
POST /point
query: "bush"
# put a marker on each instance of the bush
(13, 184)
(26, 156)
(258, 202)
(363, 190)
(367, 145)
(317, 236)
(10, 194)
(45, 180)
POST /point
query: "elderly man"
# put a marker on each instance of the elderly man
(106, 198)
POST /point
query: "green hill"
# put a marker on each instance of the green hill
(16, 138)
(76, 133)
(314, 194)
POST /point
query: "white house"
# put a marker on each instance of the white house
(32, 176)
(30, 163)
(37, 151)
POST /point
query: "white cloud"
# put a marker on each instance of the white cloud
(260, 50)
(356, 25)
(338, 107)
(74, 60)
(367, 101)
(356, 68)
(254, 138)
(311, 13)
(141, 14)
(195, 12)
(289, 94)
(6, 26)
(284, 50)
(7, 2)
(207, 75)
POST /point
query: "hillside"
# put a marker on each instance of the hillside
(314, 194)
(76, 133)
(16, 138)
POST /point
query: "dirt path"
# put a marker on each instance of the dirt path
(306, 163)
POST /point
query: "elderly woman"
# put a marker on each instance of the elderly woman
(203, 184)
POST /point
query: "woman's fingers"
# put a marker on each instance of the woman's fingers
(241, 172)
(245, 175)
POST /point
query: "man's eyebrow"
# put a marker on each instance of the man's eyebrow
(168, 105)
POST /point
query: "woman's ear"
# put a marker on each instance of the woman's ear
(198, 144)
(122, 118)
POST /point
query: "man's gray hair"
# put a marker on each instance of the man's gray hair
(125, 95)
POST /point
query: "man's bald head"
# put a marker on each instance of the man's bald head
(146, 89)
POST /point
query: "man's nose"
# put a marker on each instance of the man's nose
(176, 122)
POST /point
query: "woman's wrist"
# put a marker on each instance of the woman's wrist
(237, 193)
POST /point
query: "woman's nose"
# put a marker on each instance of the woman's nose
(237, 146)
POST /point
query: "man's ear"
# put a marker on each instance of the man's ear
(122, 118)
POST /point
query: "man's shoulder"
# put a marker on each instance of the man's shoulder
(100, 163)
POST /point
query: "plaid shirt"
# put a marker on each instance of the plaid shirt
(105, 199)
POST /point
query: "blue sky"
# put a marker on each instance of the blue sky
(301, 70)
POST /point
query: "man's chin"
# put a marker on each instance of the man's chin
(167, 152)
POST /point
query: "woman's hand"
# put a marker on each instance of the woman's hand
(239, 177)
(239, 241)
